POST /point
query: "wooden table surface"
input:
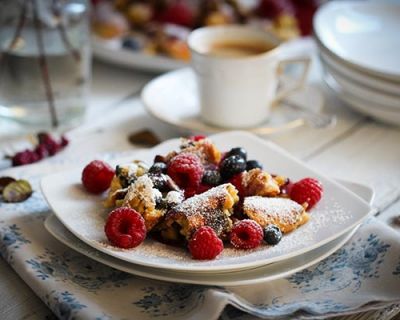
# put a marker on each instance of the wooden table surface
(357, 149)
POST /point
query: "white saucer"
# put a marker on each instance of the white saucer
(261, 274)
(172, 98)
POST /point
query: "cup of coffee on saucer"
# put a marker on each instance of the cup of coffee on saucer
(238, 70)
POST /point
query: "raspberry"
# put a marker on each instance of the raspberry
(205, 244)
(197, 138)
(307, 190)
(272, 8)
(192, 191)
(41, 151)
(237, 181)
(51, 145)
(125, 228)
(246, 234)
(186, 170)
(24, 157)
(97, 176)
(178, 13)
(305, 10)
(47, 146)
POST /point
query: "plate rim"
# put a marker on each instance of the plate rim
(331, 68)
(348, 97)
(394, 78)
(378, 84)
(243, 265)
(139, 60)
(180, 278)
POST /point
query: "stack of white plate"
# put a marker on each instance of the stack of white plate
(359, 46)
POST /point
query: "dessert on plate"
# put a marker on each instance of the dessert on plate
(201, 198)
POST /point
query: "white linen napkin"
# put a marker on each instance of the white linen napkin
(362, 275)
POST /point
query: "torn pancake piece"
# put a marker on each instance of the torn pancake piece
(212, 208)
(284, 213)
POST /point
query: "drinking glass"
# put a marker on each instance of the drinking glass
(44, 61)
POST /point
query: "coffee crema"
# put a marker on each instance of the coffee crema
(236, 49)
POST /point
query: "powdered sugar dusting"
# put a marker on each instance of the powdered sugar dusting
(208, 208)
(143, 189)
(174, 197)
(284, 210)
(205, 202)
(328, 213)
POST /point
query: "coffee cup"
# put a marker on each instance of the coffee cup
(238, 70)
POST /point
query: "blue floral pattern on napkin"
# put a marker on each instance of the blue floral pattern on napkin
(69, 266)
(63, 304)
(174, 299)
(397, 270)
(359, 260)
(76, 287)
(11, 240)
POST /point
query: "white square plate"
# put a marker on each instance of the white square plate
(83, 214)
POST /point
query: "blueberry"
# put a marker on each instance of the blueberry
(131, 44)
(211, 177)
(158, 167)
(272, 234)
(231, 166)
(238, 152)
(252, 164)
(159, 181)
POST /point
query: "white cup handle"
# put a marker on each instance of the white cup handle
(299, 83)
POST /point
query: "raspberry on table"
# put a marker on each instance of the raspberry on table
(307, 190)
(25, 157)
(205, 244)
(97, 176)
(186, 170)
(41, 151)
(125, 228)
(246, 234)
